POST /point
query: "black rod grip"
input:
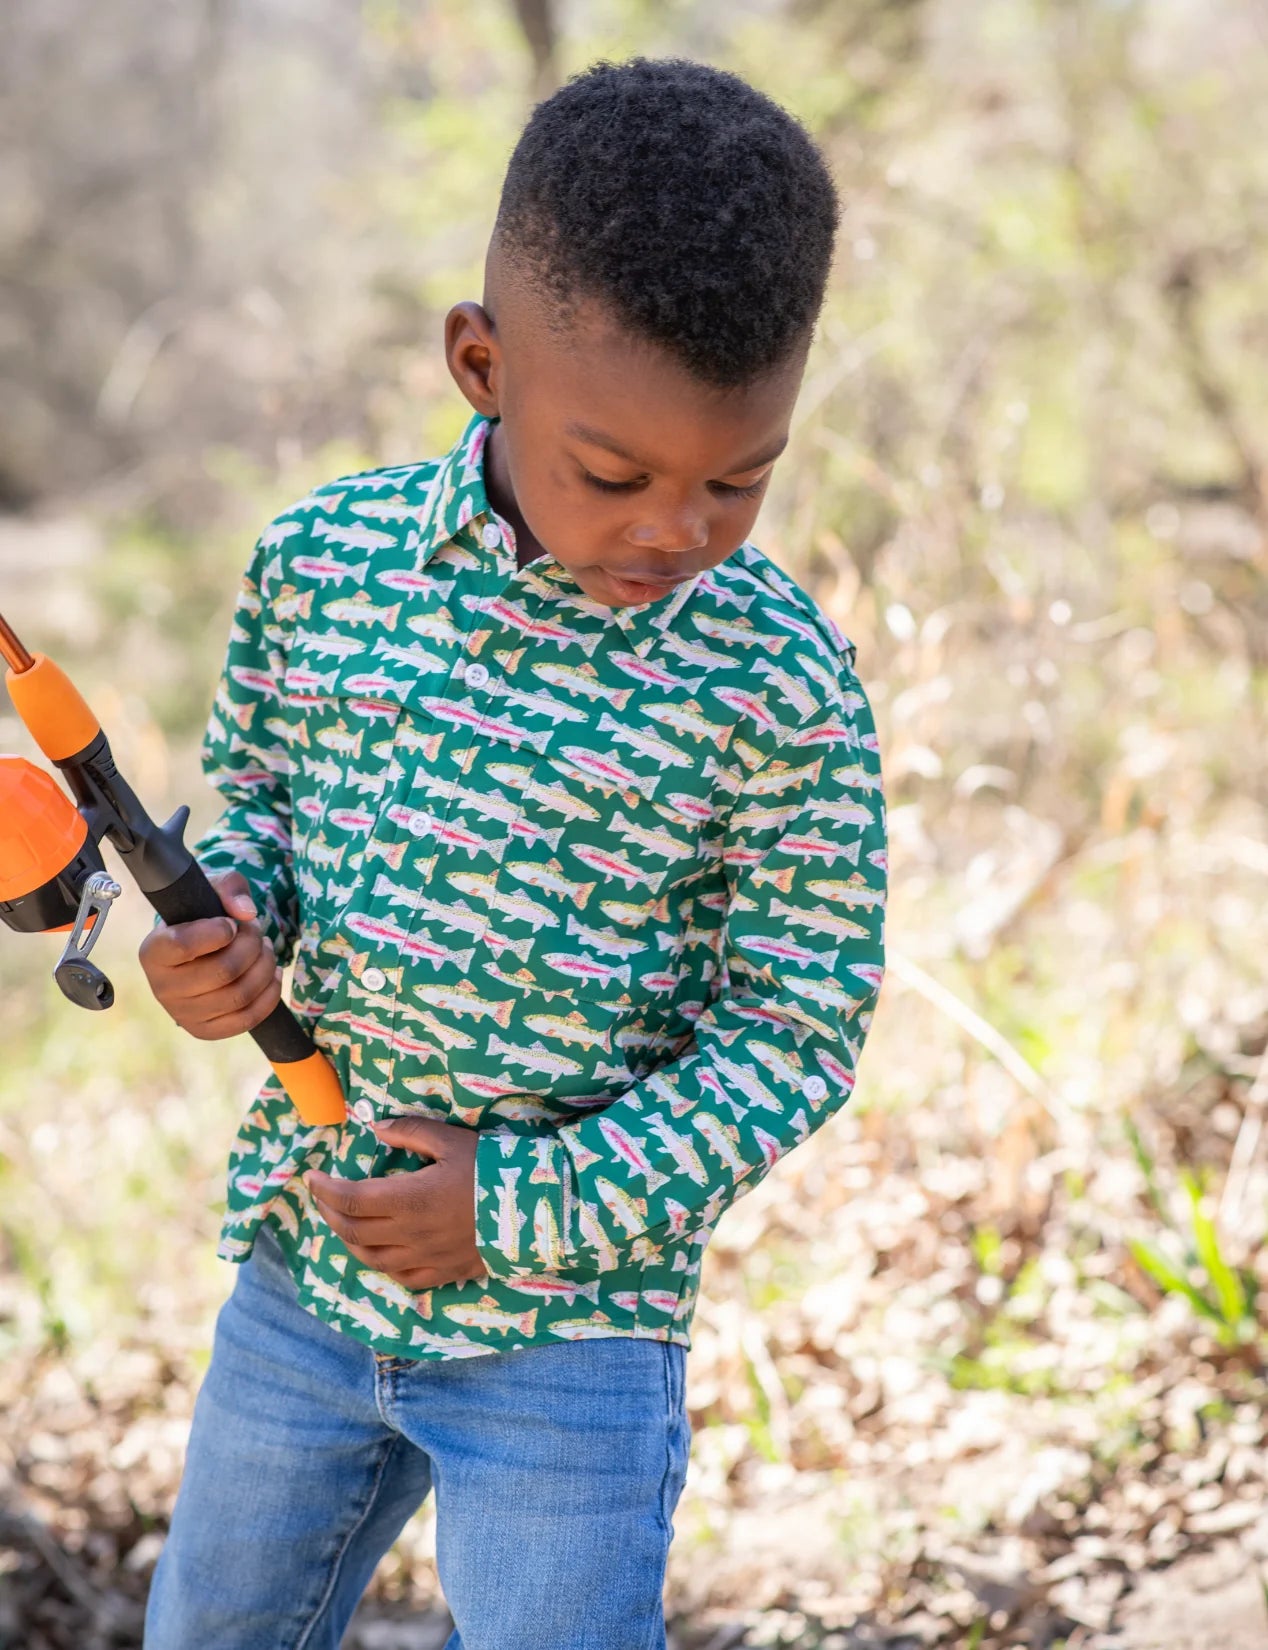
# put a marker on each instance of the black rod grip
(191, 897)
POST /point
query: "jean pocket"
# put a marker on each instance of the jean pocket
(678, 1430)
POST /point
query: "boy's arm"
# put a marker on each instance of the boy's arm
(246, 760)
(774, 1056)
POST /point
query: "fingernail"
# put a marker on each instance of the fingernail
(247, 906)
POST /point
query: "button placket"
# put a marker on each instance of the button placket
(469, 676)
(422, 822)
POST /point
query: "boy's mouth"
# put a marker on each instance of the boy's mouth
(641, 589)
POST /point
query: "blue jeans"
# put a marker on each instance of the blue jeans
(556, 1471)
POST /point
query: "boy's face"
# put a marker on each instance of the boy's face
(682, 499)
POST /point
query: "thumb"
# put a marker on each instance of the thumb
(235, 894)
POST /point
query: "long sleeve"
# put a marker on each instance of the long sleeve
(774, 1055)
(244, 757)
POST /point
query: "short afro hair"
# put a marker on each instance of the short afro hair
(696, 211)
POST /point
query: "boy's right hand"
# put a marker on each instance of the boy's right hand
(217, 977)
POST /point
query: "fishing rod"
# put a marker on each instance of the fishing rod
(53, 878)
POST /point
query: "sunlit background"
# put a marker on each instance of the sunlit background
(981, 1364)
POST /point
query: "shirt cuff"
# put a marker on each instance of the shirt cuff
(506, 1164)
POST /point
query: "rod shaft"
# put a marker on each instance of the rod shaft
(16, 655)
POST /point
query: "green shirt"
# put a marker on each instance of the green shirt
(606, 885)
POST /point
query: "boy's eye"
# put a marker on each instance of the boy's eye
(628, 486)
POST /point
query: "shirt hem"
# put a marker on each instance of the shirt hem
(673, 1334)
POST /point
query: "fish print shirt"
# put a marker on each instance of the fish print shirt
(606, 885)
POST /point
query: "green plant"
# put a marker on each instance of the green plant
(1225, 1296)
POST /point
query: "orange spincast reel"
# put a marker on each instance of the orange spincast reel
(53, 878)
(49, 867)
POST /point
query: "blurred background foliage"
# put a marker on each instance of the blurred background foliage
(999, 1320)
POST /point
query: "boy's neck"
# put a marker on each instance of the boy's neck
(498, 491)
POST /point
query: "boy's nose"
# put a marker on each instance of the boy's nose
(672, 535)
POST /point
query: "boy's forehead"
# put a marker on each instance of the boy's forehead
(604, 389)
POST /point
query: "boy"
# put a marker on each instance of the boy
(566, 803)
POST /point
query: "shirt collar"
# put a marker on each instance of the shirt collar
(457, 500)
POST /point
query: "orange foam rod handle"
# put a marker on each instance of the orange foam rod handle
(313, 1086)
(55, 713)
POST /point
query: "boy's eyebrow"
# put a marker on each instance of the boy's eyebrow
(597, 438)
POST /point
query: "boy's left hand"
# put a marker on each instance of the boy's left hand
(417, 1226)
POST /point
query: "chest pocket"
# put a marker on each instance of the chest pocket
(341, 720)
(594, 890)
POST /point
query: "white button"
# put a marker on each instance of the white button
(814, 1088)
(490, 537)
(476, 675)
(420, 824)
(373, 979)
(363, 1111)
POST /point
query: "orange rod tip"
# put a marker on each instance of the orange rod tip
(16, 656)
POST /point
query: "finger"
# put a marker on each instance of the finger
(389, 1219)
(246, 1018)
(427, 1136)
(393, 1259)
(224, 970)
(421, 1277)
(372, 1230)
(383, 1197)
(241, 992)
(409, 1274)
(184, 941)
(363, 1237)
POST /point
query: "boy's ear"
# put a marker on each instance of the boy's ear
(473, 354)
